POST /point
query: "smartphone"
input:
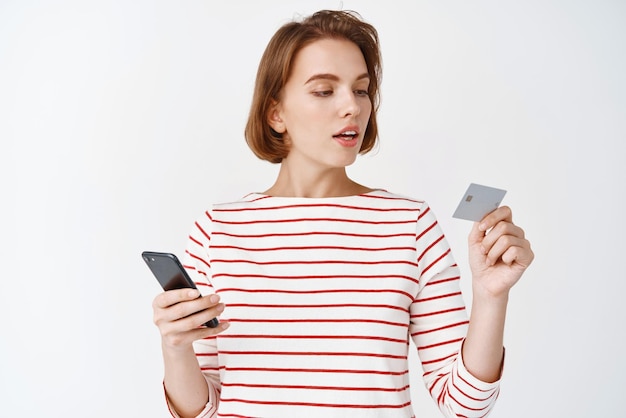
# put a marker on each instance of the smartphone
(171, 274)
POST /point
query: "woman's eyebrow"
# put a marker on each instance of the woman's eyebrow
(332, 77)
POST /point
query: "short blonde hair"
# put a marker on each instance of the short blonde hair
(276, 65)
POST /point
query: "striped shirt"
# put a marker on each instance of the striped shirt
(323, 297)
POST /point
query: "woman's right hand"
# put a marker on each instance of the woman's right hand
(179, 315)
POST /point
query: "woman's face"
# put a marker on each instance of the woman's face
(324, 108)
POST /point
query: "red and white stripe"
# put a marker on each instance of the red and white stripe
(323, 296)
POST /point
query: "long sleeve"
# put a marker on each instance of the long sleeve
(439, 324)
(197, 263)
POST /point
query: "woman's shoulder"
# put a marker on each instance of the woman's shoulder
(386, 195)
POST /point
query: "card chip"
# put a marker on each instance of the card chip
(468, 198)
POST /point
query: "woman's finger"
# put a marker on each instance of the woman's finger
(172, 297)
(505, 244)
(500, 230)
(503, 213)
(186, 308)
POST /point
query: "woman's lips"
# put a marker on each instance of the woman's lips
(347, 140)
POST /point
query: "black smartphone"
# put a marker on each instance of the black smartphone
(171, 274)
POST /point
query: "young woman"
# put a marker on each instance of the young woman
(319, 281)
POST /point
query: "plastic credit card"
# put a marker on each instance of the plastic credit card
(478, 201)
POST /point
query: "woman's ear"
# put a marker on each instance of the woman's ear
(274, 119)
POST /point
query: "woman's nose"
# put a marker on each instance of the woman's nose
(349, 104)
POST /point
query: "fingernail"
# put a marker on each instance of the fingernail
(214, 298)
(193, 293)
(482, 227)
(224, 325)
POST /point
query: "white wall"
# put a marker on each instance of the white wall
(120, 121)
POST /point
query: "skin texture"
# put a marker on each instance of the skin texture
(185, 385)
(498, 255)
(325, 95)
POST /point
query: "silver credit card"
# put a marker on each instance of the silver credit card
(478, 201)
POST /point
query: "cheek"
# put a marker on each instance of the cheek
(366, 109)
(366, 104)
(304, 110)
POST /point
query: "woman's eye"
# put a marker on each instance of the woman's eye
(323, 93)
(361, 92)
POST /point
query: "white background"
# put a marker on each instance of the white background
(120, 121)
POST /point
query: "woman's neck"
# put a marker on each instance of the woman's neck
(333, 182)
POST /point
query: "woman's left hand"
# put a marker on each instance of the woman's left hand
(499, 253)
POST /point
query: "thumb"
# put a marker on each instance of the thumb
(476, 235)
